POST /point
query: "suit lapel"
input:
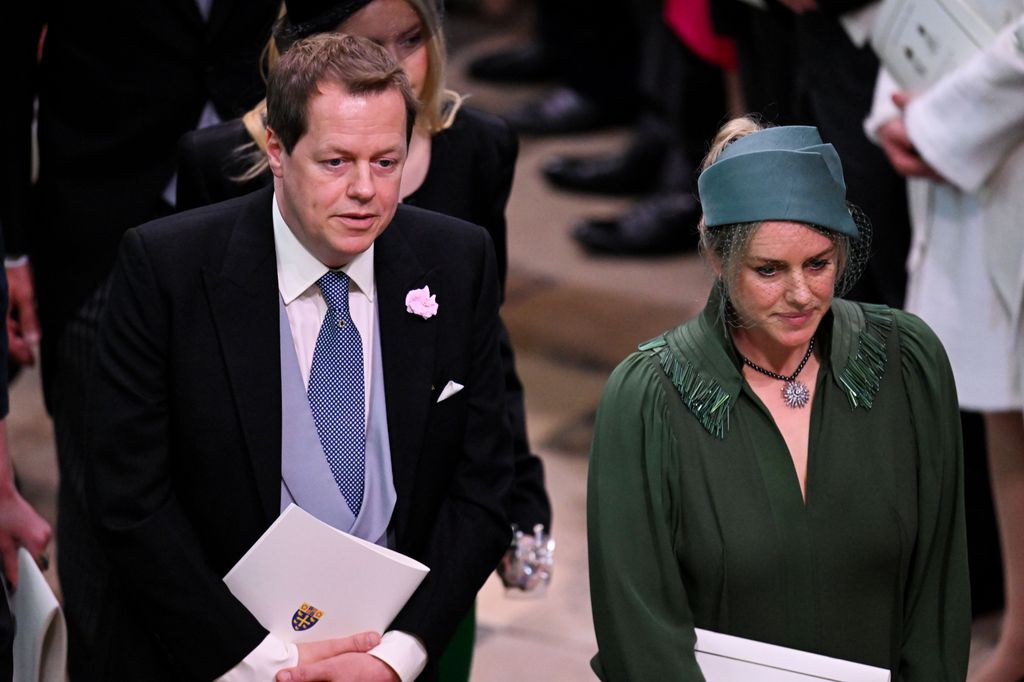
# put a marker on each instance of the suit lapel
(407, 349)
(243, 298)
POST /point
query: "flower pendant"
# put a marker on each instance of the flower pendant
(795, 394)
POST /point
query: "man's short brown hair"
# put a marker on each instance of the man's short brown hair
(357, 65)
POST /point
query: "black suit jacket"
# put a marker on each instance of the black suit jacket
(187, 460)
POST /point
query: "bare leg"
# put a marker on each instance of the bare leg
(1005, 432)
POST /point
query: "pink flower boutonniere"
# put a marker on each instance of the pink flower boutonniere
(421, 302)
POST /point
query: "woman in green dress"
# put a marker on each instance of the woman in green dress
(786, 467)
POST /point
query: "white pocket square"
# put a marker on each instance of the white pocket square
(450, 389)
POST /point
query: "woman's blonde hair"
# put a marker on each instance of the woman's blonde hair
(438, 105)
(725, 245)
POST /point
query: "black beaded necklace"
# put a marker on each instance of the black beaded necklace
(794, 393)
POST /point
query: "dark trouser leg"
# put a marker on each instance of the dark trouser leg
(767, 63)
(594, 44)
(983, 555)
(83, 571)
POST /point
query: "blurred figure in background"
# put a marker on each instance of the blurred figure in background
(681, 81)
(961, 143)
(766, 56)
(20, 525)
(835, 80)
(589, 49)
(117, 85)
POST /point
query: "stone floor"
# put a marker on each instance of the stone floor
(571, 317)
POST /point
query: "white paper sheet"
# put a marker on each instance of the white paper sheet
(347, 584)
(919, 41)
(724, 658)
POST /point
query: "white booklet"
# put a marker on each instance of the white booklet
(305, 580)
(919, 41)
(724, 658)
(40, 637)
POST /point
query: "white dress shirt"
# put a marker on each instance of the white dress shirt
(297, 274)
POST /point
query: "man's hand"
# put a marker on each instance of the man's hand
(20, 525)
(311, 652)
(900, 149)
(345, 667)
(22, 323)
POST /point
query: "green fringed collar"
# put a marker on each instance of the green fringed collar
(699, 359)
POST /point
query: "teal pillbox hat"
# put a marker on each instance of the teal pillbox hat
(783, 173)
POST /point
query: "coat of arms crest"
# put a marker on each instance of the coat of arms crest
(306, 617)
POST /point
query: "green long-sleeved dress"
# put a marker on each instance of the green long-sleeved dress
(696, 517)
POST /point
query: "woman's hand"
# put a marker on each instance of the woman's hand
(900, 149)
(20, 525)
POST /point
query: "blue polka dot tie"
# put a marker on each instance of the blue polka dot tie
(336, 391)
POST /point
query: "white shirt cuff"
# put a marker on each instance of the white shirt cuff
(264, 661)
(403, 652)
(883, 109)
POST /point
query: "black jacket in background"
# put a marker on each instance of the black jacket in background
(118, 84)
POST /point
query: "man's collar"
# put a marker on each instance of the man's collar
(298, 269)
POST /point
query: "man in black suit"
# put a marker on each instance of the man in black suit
(117, 83)
(212, 315)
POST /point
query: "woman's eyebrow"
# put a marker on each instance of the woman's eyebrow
(777, 261)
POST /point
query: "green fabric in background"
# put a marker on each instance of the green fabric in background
(457, 660)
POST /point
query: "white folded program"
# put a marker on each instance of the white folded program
(305, 581)
(725, 658)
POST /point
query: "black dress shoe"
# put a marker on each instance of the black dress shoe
(661, 224)
(621, 174)
(563, 110)
(640, 168)
(527, 63)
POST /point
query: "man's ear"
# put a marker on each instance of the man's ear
(275, 150)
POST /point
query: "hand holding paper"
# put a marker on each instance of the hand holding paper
(361, 642)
